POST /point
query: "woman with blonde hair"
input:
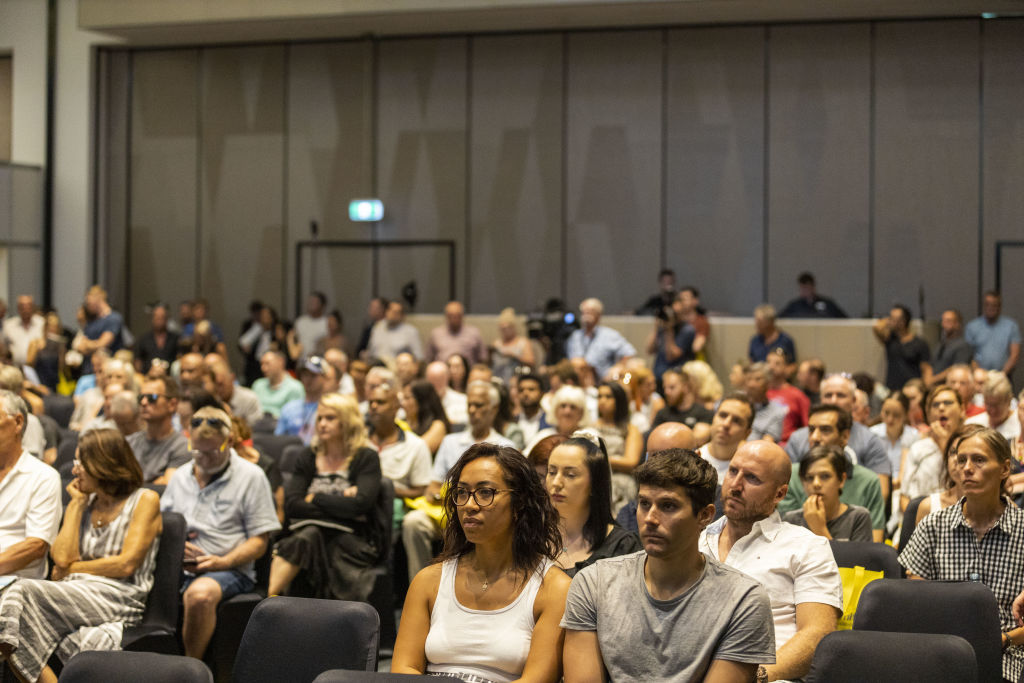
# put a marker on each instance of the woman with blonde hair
(333, 536)
(511, 349)
(705, 383)
(644, 400)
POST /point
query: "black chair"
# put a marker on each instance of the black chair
(963, 608)
(66, 450)
(297, 639)
(106, 666)
(264, 426)
(274, 445)
(877, 557)
(60, 408)
(909, 520)
(289, 456)
(343, 676)
(383, 594)
(232, 618)
(859, 656)
(158, 631)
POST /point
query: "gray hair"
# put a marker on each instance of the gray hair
(14, 405)
(493, 397)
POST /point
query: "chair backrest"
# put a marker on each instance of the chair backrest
(66, 450)
(909, 520)
(59, 407)
(274, 445)
(343, 676)
(858, 656)
(164, 597)
(289, 456)
(297, 639)
(966, 609)
(114, 665)
(878, 557)
(384, 513)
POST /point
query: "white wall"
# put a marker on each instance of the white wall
(23, 34)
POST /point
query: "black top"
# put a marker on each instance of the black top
(903, 360)
(147, 349)
(820, 307)
(696, 413)
(617, 542)
(363, 472)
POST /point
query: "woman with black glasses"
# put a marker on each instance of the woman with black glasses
(333, 536)
(489, 609)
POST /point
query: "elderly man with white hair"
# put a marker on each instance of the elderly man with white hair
(602, 347)
(999, 413)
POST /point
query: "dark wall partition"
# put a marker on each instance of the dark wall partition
(883, 156)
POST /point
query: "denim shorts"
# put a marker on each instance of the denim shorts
(231, 582)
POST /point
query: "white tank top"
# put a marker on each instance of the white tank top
(489, 644)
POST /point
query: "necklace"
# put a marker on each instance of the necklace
(486, 582)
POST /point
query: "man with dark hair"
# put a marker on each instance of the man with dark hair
(795, 566)
(830, 425)
(808, 378)
(781, 391)
(404, 457)
(665, 296)
(681, 404)
(995, 338)
(907, 355)
(810, 304)
(952, 349)
(243, 401)
(730, 427)
(768, 415)
(160, 343)
(159, 449)
(667, 611)
(531, 419)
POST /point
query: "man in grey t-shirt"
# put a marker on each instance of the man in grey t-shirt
(159, 449)
(668, 612)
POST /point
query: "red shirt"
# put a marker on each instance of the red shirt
(797, 402)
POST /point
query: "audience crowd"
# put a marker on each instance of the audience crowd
(641, 516)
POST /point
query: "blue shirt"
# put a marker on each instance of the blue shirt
(684, 336)
(215, 331)
(112, 322)
(602, 349)
(759, 350)
(298, 418)
(992, 342)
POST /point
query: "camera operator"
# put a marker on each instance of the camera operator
(671, 340)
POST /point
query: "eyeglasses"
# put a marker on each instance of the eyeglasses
(214, 422)
(483, 496)
(152, 398)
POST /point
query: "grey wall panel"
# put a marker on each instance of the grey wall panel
(819, 142)
(163, 175)
(421, 151)
(330, 162)
(427, 266)
(715, 164)
(515, 172)
(926, 164)
(614, 159)
(25, 276)
(1003, 171)
(242, 180)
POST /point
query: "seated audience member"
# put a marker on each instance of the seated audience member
(333, 536)
(375, 313)
(601, 347)
(510, 350)
(980, 538)
(869, 450)
(915, 391)
(200, 308)
(159, 449)
(453, 401)
(335, 339)
(531, 417)
(30, 498)
(504, 422)
(810, 304)
(339, 359)
(46, 354)
(795, 566)
(568, 414)
(19, 331)
(419, 529)
(623, 441)
(861, 408)
(669, 611)
(424, 413)
(830, 426)
(580, 489)
(922, 475)
(768, 337)
(952, 348)
(89, 404)
(998, 414)
(809, 375)
(781, 391)
(404, 457)
(458, 372)
(102, 419)
(665, 296)
(823, 473)
(357, 370)
(124, 413)
(192, 372)
(276, 387)
(392, 335)
(539, 455)
(961, 378)
(33, 438)
(952, 479)
(407, 368)
(479, 372)
(298, 416)
(494, 576)
(907, 355)
(229, 512)
(896, 433)
(671, 341)
(456, 337)
(705, 383)
(681, 404)
(730, 427)
(768, 415)
(104, 558)
(241, 441)
(159, 343)
(243, 401)
(256, 338)
(644, 399)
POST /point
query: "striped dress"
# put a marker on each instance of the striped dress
(81, 611)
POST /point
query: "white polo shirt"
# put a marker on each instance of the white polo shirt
(792, 563)
(406, 462)
(30, 507)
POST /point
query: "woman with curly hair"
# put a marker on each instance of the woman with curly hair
(496, 574)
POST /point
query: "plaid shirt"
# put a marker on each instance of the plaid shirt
(944, 547)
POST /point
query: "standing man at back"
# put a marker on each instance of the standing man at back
(455, 337)
(907, 355)
(602, 347)
(995, 338)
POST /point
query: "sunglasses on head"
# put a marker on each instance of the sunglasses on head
(214, 422)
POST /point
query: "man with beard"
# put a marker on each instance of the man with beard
(531, 418)
(795, 566)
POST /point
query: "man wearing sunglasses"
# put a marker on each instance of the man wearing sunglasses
(229, 511)
(159, 449)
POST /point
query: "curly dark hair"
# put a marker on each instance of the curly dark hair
(535, 521)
